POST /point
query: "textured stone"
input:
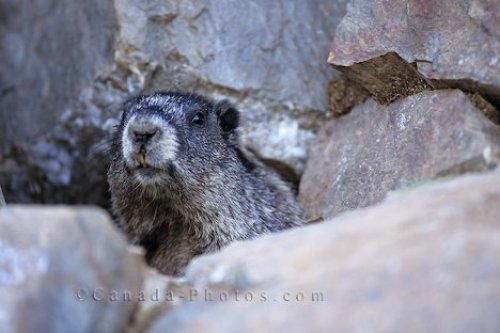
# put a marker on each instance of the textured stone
(489, 110)
(256, 53)
(52, 54)
(64, 76)
(423, 261)
(361, 156)
(456, 42)
(52, 260)
(157, 302)
(343, 95)
(387, 77)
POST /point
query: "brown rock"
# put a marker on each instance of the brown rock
(423, 261)
(361, 156)
(58, 270)
(454, 41)
(489, 110)
(343, 95)
(387, 77)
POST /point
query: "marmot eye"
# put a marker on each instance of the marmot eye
(198, 119)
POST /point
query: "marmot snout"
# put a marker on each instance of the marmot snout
(149, 144)
(182, 185)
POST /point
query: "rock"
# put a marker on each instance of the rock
(266, 57)
(250, 52)
(489, 110)
(456, 43)
(343, 95)
(363, 155)
(59, 268)
(50, 125)
(387, 78)
(161, 296)
(423, 261)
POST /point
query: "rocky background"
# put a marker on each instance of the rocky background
(393, 129)
(65, 75)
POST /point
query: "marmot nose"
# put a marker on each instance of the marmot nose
(143, 132)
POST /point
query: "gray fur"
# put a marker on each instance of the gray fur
(2, 199)
(206, 190)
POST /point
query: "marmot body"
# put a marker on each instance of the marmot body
(181, 185)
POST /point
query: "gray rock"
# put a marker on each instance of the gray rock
(66, 74)
(58, 270)
(363, 155)
(423, 261)
(51, 58)
(161, 296)
(267, 57)
(456, 43)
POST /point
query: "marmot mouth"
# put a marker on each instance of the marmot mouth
(141, 158)
(151, 171)
(147, 170)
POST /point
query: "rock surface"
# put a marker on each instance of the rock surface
(423, 261)
(361, 156)
(64, 76)
(456, 43)
(52, 104)
(162, 296)
(387, 78)
(343, 95)
(54, 261)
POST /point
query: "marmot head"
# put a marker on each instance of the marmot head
(174, 138)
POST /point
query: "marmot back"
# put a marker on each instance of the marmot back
(181, 185)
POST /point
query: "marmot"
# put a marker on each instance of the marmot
(181, 183)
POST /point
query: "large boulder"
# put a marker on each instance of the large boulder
(64, 77)
(420, 44)
(65, 270)
(359, 157)
(51, 121)
(423, 261)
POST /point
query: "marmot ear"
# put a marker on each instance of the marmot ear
(227, 116)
